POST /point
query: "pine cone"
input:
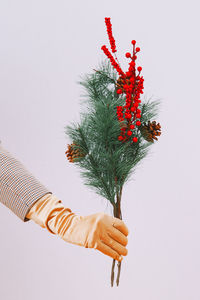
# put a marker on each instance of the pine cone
(150, 131)
(72, 153)
(121, 82)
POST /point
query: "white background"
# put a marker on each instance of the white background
(45, 46)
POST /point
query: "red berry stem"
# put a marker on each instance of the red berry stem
(132, 87)
(112, 60)
(110, 35)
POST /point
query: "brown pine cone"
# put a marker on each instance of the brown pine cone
(72, 153)
(150, 130)
(121, 82)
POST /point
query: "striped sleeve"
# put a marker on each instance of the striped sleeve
(19, 189)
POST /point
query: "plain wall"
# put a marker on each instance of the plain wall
(45, 46)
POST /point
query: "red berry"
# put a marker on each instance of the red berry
(138, 111)
(133, 42)
(128, 55)
(120, 138)
(132, 63)
(133, 108)
(129, 132)
(138, 123)
(135, 139)
(132, 126)
(138, 116)
(119, 91)
(139, 69)
(125, 86)
(128, 74)
(137, 49)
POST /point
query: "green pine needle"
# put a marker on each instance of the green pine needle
(107, 158)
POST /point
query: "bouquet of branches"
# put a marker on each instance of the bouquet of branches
(115, 130)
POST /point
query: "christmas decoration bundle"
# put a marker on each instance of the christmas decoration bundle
(115, 130)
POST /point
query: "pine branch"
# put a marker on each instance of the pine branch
(110, 141)
(107, 158)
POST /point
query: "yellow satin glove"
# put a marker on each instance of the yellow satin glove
(99, 231)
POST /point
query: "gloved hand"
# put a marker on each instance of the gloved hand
(99, 231)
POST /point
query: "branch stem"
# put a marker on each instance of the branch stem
(118, 214)
(95, 167)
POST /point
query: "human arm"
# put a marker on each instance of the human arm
(21, 192)
(99, 231)
(19, 189)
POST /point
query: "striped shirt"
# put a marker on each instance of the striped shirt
(19, 189)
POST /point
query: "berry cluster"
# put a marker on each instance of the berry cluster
(112, 60)
(128, 83)
(110, 36)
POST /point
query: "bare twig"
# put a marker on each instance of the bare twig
(119, 271)
(112, 272)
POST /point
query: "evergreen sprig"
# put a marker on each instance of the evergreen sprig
(109, 142)
(108, 163)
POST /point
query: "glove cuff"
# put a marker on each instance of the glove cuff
(47, 213)
(59, 221)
